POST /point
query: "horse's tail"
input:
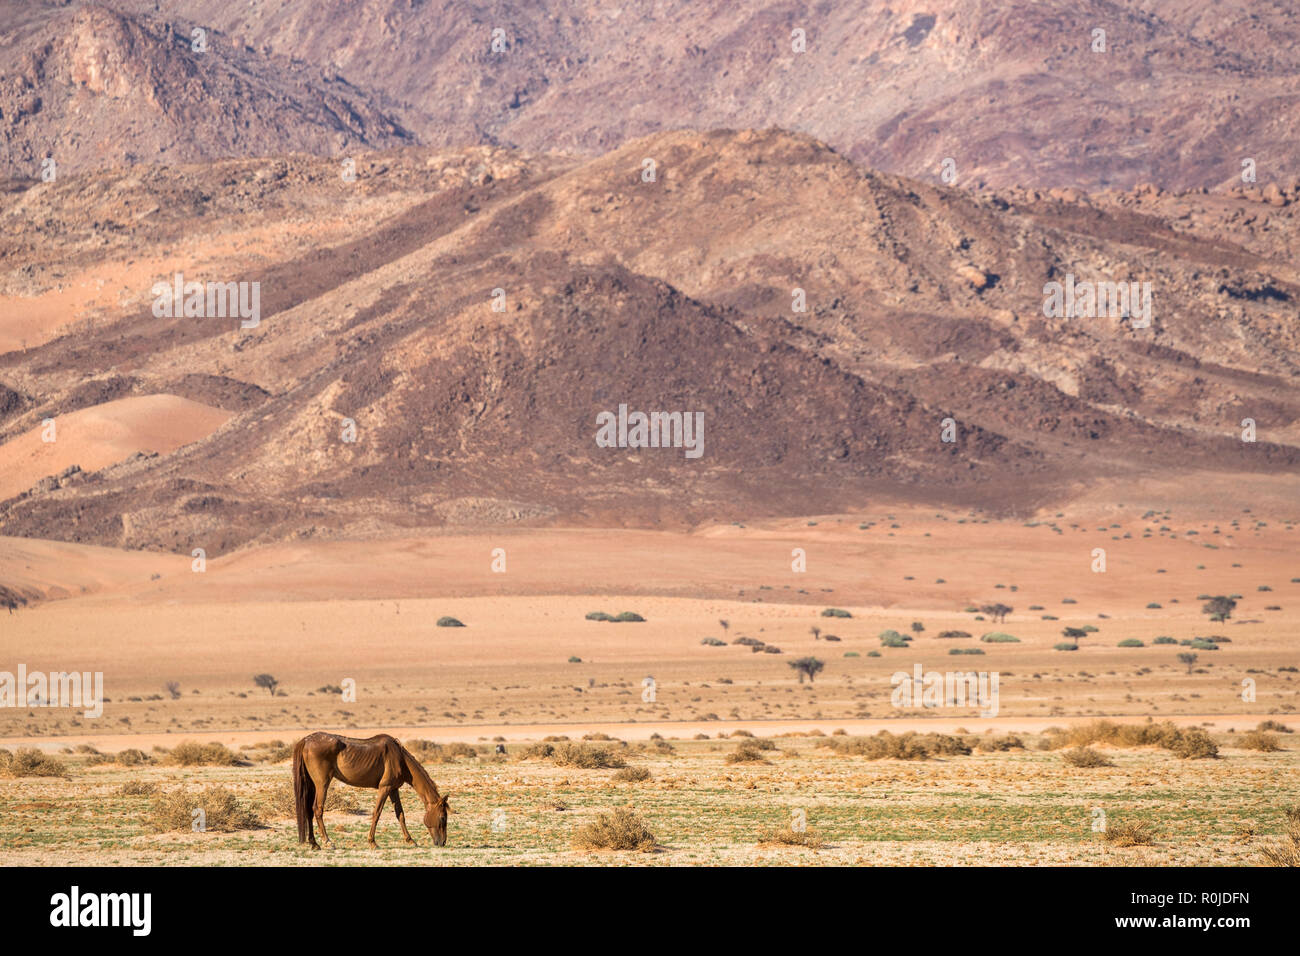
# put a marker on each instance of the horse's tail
(304, 793)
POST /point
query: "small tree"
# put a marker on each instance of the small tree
(1074, 633)
(997, 612)
(809, 666)
(816, 632)
(1188, 659)
(1219, 608)
(267, 681)
(174, 688)
(725, 625)
(917, 627)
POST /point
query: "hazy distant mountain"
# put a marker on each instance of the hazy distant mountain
(1015, 92)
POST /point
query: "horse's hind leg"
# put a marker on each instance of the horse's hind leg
(374, 820)
(401, 817)
(322, 791)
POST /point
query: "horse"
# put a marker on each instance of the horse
(379, 763)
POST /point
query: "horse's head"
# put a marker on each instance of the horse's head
(435, 818)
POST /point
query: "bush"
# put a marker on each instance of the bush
(190, 753)
(1129, 834)
(835, 612)
(628, 616)
(1085, 757)
(620, 830)
(1194, 744)
(137, 788)
(1164, 640)
(907, 746)
(30, 762)
(965, 650)
(598, 616)
(952, 634)
(449, 622)
(1065, 646)
(587, 757)
(1255, 740)
(892, 638)
(1130, 642)
(632, 775)
(790, 837)
(747, 752)
(222, 811)
(997, 637)
(131, 757)
(712, 642)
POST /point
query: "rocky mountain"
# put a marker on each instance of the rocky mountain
(438, 338)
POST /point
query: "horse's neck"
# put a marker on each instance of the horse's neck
(421, 782)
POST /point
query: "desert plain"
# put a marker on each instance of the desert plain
(528, 669)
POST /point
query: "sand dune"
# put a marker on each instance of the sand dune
(99, 436)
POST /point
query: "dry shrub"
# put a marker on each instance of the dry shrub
(586, 757)
(1188, 744)
(998, 744)
(30, 762)
(632, 775)
(1258, 740)
(1129, 834)
(620, 830)
(908, 746)
(1286, 852)
(1195, 745)
(1085, 757)
(191, 753)
(223, 810)
(137, 788)
(790, 837)
(131, 757)
(1274, 726)
(535, 752)
(747, 752)
(426, 751)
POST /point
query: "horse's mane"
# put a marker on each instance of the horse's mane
(416, 769)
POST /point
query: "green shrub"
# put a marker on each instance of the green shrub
(997, 637)
(1065, 646)
(449, 622)
(835, 612)
(1130, 642)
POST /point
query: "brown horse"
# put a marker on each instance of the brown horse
(380, 763)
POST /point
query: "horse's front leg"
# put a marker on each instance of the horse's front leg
(401, 817)
(374, 820)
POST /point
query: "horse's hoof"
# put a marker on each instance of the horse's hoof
(374, 845)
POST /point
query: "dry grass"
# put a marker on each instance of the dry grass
(1285, 852)
(747, 752)
(620, 830)
(790, 837)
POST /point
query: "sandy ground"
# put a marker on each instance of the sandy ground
(96, 437)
